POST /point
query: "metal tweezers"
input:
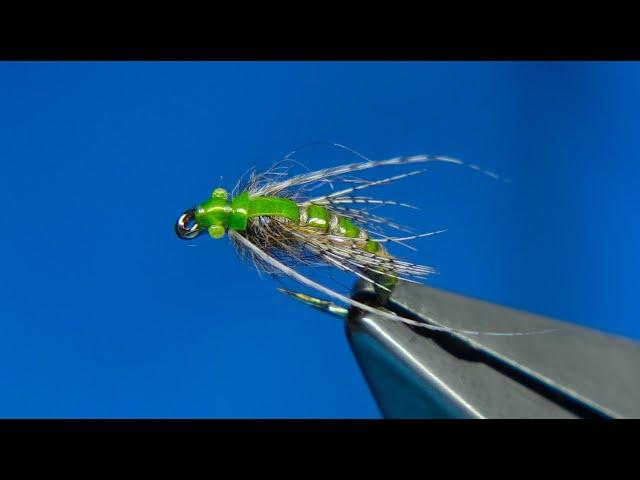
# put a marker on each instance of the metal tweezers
(572, 372)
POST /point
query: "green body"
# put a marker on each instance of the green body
(217, 215)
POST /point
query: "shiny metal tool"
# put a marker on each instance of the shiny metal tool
(572, 372)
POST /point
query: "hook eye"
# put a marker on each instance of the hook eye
(183, 230)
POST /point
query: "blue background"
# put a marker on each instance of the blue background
(105, 313)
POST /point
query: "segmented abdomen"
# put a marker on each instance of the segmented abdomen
(319, 217)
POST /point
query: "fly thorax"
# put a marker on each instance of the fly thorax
(217, 214)
(213, 214)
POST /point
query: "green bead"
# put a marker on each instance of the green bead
(347, 228)
(216, 231)
(372, 247)
(317, 217)
(220, 193)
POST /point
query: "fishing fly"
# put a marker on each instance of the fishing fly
(278, 221)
